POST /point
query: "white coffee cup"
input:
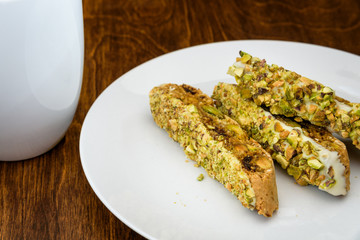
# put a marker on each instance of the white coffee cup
(41, 67)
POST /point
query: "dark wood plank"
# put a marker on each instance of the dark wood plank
(48, 197)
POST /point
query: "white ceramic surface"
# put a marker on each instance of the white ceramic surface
(41, 66)
(142, 176)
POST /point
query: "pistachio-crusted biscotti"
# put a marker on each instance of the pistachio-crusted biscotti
(292, 95)
(218, 144)
(309, 153)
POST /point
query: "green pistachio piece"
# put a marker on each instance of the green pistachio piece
(328, 184)
(278, 83)
(245, 93)
(315, 164)
(274, 140)
(239, 72)
(234, 128)
(289, 94)
(275, 109)
(200, 177)
(286, 108)
(212, 110)
(314, 96)
(282, 161)
(251, 148)
(356, 124)
(345, 118)
(255, 59)
(304, 180)
(319, 116)
(356, 112)
(245, 58)
(249, 195)
(242, 53)
(190, 149)
(192, 108)
(286, 75)
(307, 148)
(294, 171)
(328, 97)
(231, 71)
(261, 84)
(293, 139)
(254, 130)
(247, 77)
(312, 108)
(324, 104)
(327, 90)
(290, 152)
(273, 67)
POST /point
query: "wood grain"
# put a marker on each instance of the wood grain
(48, 197)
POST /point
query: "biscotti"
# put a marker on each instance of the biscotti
(309, 153)
(292, 95)
(218, 144)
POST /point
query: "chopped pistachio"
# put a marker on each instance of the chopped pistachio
(282, 161)
(247, 77)
(173, 124)
(313, 175)
(192, 108)
(312, 108)
(284, 134)
(294, 171)
(290, 153)
(278, 83)
(245, 58)
(231, 71)
(328, 184)
(315, 164)
(307, 148)
(249, 193)
(324, 104)
(190, 149)
(331, 172)
(200, 177)
(245, 93)
(327, 90)
(319, 116)
(289, 94)
(305, 80)
(304, 180)
(238, 72)
(212, 110)
(345, 118)
(234, 128)
(293, 138)
(278, 127)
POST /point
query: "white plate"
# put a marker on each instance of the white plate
(142, 176)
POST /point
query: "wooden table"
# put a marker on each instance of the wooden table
(48, 197)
